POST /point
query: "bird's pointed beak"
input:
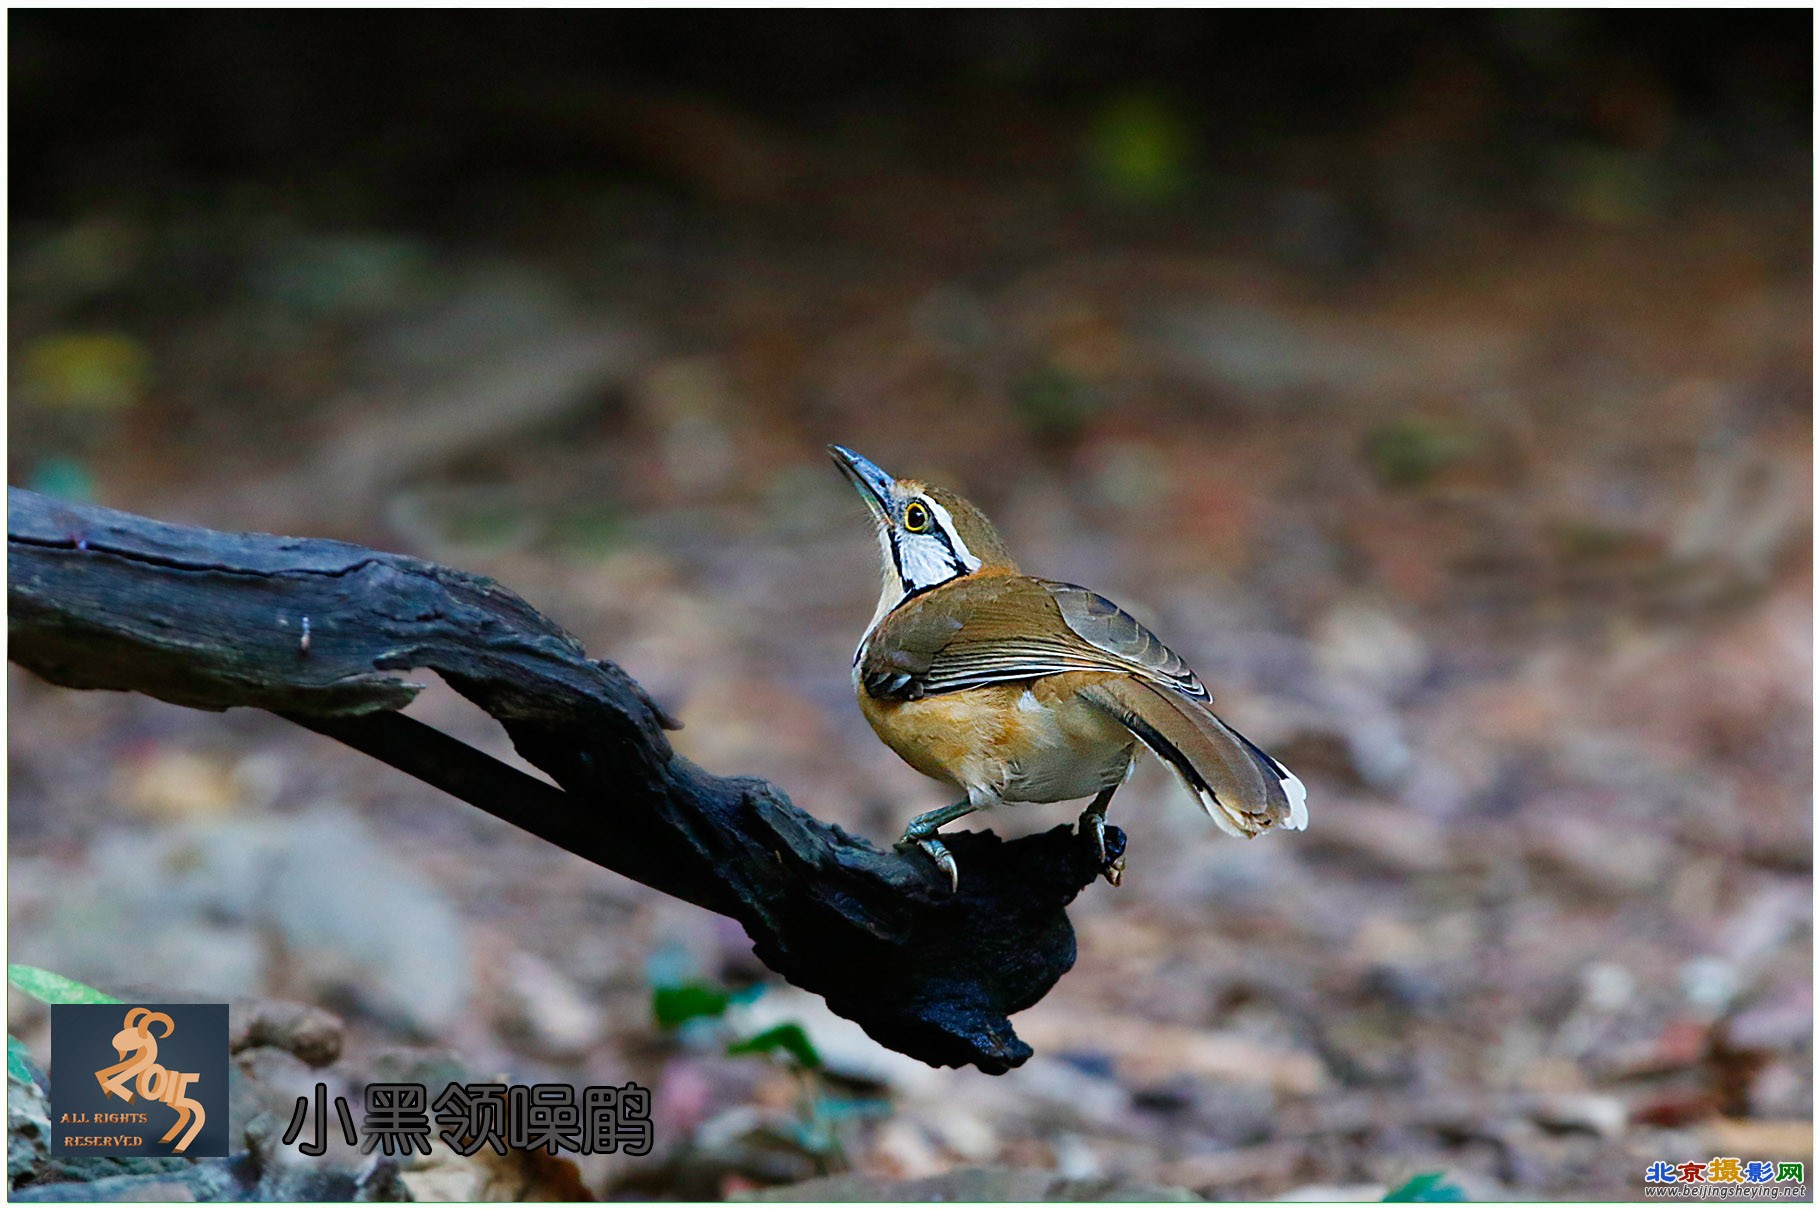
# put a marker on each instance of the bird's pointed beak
(874, 484)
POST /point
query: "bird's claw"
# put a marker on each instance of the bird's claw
(939, 854)
(1094, 823)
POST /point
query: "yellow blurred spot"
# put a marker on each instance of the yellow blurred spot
(101, 371)
(179, 785)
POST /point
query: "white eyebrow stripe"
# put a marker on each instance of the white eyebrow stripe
(967, 557)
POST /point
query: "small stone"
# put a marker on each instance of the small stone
(379, 1182)
(547, 1007)
(312, 1034)
(28, 1130)
(1588, 1113)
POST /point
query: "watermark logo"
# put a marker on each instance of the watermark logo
(1728, 1176)
(164, 1092)
(554, 1118)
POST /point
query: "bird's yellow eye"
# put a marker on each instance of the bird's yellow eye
(916, 517)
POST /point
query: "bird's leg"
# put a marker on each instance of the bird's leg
(1093, 819)
(923, 828)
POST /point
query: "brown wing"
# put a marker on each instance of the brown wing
(896, 659)
(1122, 636)
(988, 629)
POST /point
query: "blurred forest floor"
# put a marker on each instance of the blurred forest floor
(1482, 500)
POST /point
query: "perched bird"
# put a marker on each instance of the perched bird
(1017, 689)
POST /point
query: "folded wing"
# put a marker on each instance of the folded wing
(1012, 628)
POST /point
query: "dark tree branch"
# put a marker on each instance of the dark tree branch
(317, 631)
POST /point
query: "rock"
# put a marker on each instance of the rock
(1396, 840)
(1749, 1136)
(173, 785)
(903, 1151)
(546, 1007)
(173, 1180)
(1266, 1162)
(355, 914)
(1710, 983)
(1148, 1052)
(312, 1183)
(349, 914)
(738, 1145)
(1780, 1090)
(264, 1083)
(1780, 1023)
(111, 1189)
(443, 1176)
(1333, 1193)
(968, 1135)
(845, 1048)
(312, 1034)
(1606, 987)
(1360, 642)
(379, 1181)
(31, 1169)
(1063, 1089)
(1115, 1190)
(28, 1130)
(968, 1185)
(1590, 1113)
(1599, 859)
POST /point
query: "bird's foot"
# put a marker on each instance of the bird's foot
(922, 830)
(939, 854)
(1093, 823)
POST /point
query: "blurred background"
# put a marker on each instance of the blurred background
(1438, 384)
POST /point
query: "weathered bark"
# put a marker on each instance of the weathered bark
(318, 631)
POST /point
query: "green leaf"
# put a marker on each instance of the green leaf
(789, 1038)
(674, 1005)
(1427, 1187)
(1409, 452)
(55, 989)
(18, 1060)
(1141, 149)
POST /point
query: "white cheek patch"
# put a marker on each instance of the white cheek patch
(924, 561)
(968, 559)
(917, 562)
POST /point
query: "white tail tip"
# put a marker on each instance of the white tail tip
(1298, 801)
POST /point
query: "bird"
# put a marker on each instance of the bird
(1013, 688)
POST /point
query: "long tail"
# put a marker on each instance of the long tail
(1241, 788)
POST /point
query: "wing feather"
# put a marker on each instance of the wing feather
(1104, 625)
(1012, 628)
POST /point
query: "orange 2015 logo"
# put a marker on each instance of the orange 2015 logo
(137, 1047)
